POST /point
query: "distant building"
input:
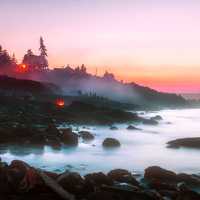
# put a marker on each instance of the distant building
(36, 62)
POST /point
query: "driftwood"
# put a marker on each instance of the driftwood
(55, 186)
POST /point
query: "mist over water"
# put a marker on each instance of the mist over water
(139, 148)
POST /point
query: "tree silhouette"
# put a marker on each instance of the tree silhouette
(5, 59)
(14, 60)
(42, 48)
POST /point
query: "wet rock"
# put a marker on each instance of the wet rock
(21, 177)
(4, 187)
(86, 135)
(159, 185)
(132, 193)
(185, 142)
(160, 174)
(188, 195)
(70, 138)
(38, 139)
(123, 176)
(168, 194)
(103, 195)
(72, 182)
(55, 144)
(113, 128)
(111, 142)
(98, 179)
(150, 122)
(157, 117)
(130, 127)
(191, 180)
(52, 130)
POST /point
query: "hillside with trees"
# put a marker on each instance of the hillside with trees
(77, 81)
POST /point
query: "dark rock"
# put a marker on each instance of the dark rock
(86, 135)
(52, 130)
(169, 194)
(189, 179)
(132, 193)
(157, 117)
(130, 127)
(66, 130)
(72, 182)
(123, 176)
(113, 128)
(185, 142)
(98, 179)
(150, 122)
(103, 195)
(111, 142)
(21, 177)
(159, 185)
(38, 139)
(160, 174)
(55, 144)
(70, 138)
(188, 195)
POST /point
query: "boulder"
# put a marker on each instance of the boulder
(72, 182)
(168, 194)
(122, 176)
(192, 180)
(103, 195)
(113, 128)
(158, 185)
(150, 122)
(54, 143)
(38, 139)
(70, 138)
(21, 177)
(52, 130)
(157, 117)
(98, 179)
(160, 174)
(111, 142)
(185, 142)
(86, 135)
(188, 195)
(130, 127)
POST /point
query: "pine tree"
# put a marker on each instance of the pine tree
(5, 59)
(14, 60)
(42, 48)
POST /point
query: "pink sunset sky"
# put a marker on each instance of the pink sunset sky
(151, 42)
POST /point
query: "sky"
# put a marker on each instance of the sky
(151, 42)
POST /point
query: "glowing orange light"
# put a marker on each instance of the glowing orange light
(22, 68)
(60, 102)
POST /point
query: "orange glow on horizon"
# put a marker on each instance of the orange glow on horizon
(22, 68)
(60, 103)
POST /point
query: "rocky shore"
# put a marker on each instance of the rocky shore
(19, 181)
(51, 135)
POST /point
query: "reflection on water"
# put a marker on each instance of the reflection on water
(139, 148)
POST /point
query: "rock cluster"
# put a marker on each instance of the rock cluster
(19, 181)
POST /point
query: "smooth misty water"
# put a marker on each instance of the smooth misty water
(139, 149)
